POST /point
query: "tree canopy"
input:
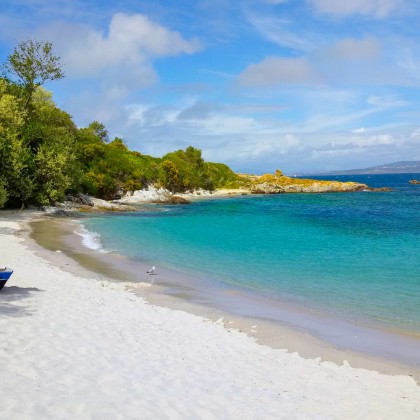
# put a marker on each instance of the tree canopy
(44, 156)
(33, 63)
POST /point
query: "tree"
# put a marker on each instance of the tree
(15, 157)
(56, 155)
(171, 178)
(33, 63)
(99, 130)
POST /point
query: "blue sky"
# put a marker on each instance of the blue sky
(300, 85)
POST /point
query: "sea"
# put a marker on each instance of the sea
(349, 257)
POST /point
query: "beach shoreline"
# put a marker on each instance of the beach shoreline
(94, 323)
(285, 329)
(176, 290)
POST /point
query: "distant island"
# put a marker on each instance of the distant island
(403, 167)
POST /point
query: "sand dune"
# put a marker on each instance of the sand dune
(76, 348)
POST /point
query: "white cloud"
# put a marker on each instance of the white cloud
(348, 62)
(282, 32)
(117, 62)
(374, 8)
(254, 144)
(277, 70)
(385, 101)
(131, 41)
(359, 130)
(353, 49)
(200, 110)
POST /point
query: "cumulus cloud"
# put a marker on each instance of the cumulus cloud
(347, 62)
(131, 40)
(374, 8)
(117, 62)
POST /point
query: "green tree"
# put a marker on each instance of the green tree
(98, 129)
(56, 157)
(171, 179)
(119, 144)
(193, 170)
(33, 63)
(15, 157)
(19, 170)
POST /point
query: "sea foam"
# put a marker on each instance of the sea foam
(91, 240)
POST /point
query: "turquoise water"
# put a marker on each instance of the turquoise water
(352, 255)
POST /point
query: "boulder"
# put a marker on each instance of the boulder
(171, 199)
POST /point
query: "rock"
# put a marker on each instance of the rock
(414, 181)
(54, 211)
(176, 199)
(149, 195)
(82, 199)
(292, 185)
(172, 199)
(380, 189)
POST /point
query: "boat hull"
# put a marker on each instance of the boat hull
(4, 276)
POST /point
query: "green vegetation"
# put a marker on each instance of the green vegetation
(44, 156)
(186, 170)
(110, 167)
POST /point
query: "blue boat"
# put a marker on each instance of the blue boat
(5, 274)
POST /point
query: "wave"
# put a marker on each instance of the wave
(91, 240)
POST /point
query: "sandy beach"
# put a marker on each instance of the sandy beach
(79, 347)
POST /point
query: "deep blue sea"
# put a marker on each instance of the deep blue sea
(351, 255)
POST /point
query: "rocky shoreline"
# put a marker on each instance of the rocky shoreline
(251, 184)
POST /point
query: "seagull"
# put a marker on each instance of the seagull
(151, 271)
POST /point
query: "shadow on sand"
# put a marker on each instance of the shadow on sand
(7, 231)
(13, 294)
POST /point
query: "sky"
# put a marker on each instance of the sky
(304, 86)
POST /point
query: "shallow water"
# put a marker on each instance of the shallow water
(353, 256)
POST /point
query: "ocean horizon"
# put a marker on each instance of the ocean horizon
(347, 256)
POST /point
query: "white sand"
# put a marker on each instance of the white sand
(77, 348)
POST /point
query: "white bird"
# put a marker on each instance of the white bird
(152, 270)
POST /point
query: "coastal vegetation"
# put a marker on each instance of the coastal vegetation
(44, 156)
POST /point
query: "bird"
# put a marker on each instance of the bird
(151, 271)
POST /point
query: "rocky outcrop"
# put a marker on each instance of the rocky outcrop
(278, 183)
(414, 181)
(86, 203)
(80, 199)
(149, 195)
(152, 195)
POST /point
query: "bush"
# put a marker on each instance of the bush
(3, 194)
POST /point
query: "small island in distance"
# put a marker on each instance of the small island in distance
(402, 167)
